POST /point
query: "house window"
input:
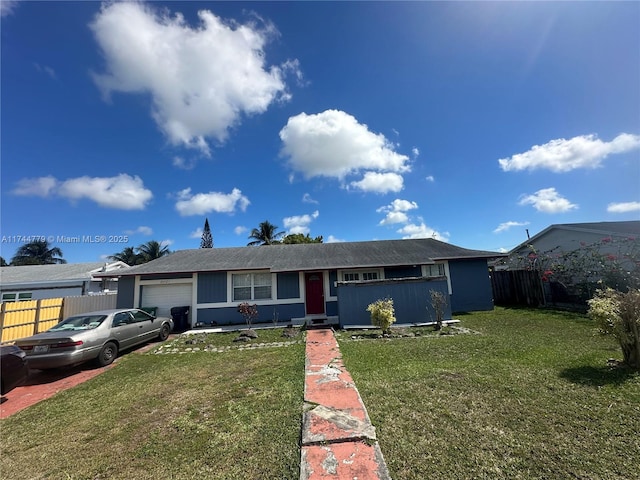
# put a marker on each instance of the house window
(436, 270)
(16, 296)
(251, 286)
(360, 275)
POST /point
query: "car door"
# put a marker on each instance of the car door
(125, 329)
(148, 326)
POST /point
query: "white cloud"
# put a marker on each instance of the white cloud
(306, 198)
(181, 163)
(202, 203)
(201, 79)
(561, 155)
(422, 231)
(396, 211)
(142, 230)
(430, 178)
(239, 230)
(121, 192)
(415, 152)
(548, 200)
(197, 233)
(379, 182)
(623, 207)
(333, 239)
(503, 227)
(7, 7)
(334, 144)
(299, 223)
(39, 187)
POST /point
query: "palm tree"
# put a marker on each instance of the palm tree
(152, 250)
(265, 234)
(37, 253)
(128, 256)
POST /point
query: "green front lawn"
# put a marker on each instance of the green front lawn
(520, 394)
(225, 415)
(529, 396)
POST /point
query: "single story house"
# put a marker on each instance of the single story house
(330, 283)
(34, 282)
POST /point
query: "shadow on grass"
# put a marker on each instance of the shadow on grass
(599, 376)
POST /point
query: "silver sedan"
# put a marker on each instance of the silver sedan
(95, 336)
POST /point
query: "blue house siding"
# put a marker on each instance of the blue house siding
(126, 291)
(230, 315)
(411, 299)
(470, 285)
(288, 285)
(212, 287)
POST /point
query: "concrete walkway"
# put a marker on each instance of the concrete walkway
(338, 439)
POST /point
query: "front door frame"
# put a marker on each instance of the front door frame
(314, 298)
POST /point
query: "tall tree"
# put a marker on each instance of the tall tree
(207, 239)
(265, 234)
(3, 262)
(128, 256)
(300, 238)
(152, 250)
(37, 253)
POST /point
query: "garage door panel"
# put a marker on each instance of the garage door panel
(166, 297)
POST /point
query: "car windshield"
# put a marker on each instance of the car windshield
(81, 322)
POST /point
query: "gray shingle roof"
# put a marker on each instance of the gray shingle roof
(47, 273)
(301, 257)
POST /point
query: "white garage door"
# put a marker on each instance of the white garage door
(165, 297)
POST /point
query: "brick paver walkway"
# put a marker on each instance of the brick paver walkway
(338, 439)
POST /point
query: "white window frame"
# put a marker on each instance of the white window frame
(252, 286)
(426, 273)
(359, 275)
(6, 296)
(428, 270)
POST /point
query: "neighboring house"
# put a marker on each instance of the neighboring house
(563, 263)
(33, 282)
(567, 237)
(311, 283)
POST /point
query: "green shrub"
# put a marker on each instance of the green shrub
(382, 314)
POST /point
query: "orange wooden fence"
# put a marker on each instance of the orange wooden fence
(22, 319)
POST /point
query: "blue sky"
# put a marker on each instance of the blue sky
(466, 122)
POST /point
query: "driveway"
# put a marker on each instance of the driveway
(43, 384)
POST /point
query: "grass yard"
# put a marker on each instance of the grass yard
(230, 415)
(524, 395)
(529, 397)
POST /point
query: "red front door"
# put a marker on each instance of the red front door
(314, 287)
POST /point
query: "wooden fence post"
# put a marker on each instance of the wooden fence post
(3, 309)
(37, 321)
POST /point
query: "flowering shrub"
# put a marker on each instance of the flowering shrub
(612, 262)
(248, 312)
(618, 314)
(382, 314)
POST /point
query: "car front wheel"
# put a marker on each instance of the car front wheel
(108, 354)
(164, 332)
